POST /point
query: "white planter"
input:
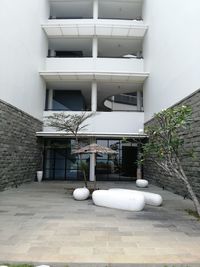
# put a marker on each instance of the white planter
(39, 176)
(81, 193)
(142, 183)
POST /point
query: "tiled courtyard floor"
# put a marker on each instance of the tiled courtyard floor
(42, 223)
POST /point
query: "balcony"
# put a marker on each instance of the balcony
(103, 69)
(104, 9)
(91, 27)
(106, 123)
(125, 102)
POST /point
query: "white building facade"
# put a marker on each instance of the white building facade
(122, 60)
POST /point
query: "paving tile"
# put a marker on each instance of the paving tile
(24, 214)
(42, 223)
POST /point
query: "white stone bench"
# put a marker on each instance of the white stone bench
(119, 200)
(150, 198)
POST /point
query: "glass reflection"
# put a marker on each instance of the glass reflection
(61, 164)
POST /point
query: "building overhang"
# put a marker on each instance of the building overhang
(91, 134)
(98, 76)
(91, 27)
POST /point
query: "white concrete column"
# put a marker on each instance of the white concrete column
(113, 102)
(52, 53)
(94, 97)
(50, 99)
(92, 163)
(95, 47)
(92, 167)
(139, 102)
(95, 9)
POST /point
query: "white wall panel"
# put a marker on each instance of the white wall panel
(110, 122)
(171, 52)
(23, 48)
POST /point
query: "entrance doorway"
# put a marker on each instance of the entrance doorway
(129, 161)
(61, 164)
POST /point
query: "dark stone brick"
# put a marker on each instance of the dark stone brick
(20, 151)
(191, 166)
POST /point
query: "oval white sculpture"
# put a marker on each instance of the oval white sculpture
(142, 183)
(150, 198)
(118, 200)
(81, 193)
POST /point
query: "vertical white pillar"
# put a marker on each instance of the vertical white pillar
(139, 102)
(113, 102)
(95, 47)
(94, 97)
(52, 53)
(92, 168)
(95, 40)
(95, 9)
(50, 99)
(92, 163)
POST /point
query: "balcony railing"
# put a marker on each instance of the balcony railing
(95, 65)
(109, 122)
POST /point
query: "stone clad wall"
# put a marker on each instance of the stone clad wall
(20, 155)
(191, 166)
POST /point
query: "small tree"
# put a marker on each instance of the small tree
(70, 123)
(165, 146)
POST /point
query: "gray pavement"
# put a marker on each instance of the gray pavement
(43, 223)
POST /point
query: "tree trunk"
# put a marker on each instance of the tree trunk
(180, 174)
(80, 158)
(85, 178)
(193, 196)
(184, 178)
